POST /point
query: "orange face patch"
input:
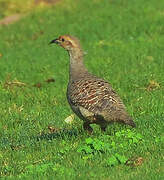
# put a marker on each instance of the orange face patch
(67, 40)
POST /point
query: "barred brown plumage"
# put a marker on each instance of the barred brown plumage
(90, 97)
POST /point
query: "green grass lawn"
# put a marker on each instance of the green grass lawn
(124, 44)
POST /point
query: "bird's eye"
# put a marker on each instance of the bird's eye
(63, 39)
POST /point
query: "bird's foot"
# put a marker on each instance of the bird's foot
(87, 127)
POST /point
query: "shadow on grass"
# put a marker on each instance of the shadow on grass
(61, 134)
(15, 142)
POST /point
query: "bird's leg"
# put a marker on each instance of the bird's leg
(87, 127)
(103, 127)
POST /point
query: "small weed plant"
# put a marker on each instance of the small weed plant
(112, 145)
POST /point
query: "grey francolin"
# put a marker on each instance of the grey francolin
(91, 98)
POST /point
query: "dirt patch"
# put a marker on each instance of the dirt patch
(46, 1)
(10, 19)
(10, 84)
(50, 80)
(135, 161)
(153, 85)
(16, 17)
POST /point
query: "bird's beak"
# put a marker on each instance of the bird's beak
(56, 41)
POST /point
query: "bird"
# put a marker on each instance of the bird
(91, 98)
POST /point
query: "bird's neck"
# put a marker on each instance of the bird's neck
(77, 68)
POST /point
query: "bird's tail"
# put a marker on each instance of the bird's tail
(121, 117)
(129, 121)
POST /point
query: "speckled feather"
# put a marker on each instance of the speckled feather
(94, 94)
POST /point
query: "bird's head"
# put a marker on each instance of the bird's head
(67, 42)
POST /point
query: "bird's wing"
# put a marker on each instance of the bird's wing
(95, 95)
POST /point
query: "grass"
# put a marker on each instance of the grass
(124, 42)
